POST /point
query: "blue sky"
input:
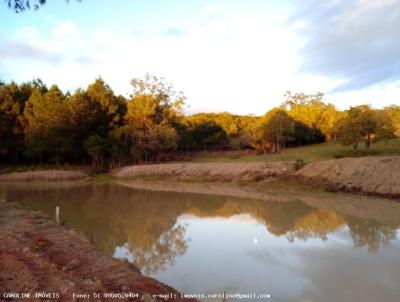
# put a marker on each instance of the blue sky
(237, 56)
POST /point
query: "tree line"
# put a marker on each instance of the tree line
(40, 124)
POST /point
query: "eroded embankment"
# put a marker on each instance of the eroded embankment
(210, 171)
(37, 254)
(372, 175)
(44, 175)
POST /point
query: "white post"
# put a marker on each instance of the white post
(57, 214)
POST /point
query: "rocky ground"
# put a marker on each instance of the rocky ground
(39, 255)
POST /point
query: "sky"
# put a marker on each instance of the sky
(225, 55)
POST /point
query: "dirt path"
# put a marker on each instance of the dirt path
(39, 255)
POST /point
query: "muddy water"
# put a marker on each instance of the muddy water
(323, 247)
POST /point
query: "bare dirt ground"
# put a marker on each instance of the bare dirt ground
(45, 175)
(373, 175)
(213, 171)
(37, 254)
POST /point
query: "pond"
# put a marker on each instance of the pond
(321, 247)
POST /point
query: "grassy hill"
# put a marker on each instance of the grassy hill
(310, 153)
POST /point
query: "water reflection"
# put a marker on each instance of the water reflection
(155, 229)
(162, 252)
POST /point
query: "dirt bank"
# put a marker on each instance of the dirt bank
(210, 171)
(44, 175)
(39, 255)
(372, 175)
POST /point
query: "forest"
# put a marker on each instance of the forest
(40, 124)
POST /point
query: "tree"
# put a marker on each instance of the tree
(350, 129)
(305, 108)
(97, 147)
(385, 125)
(47, 122)
(369, 124)
(95, 111)
(363, 124)
(393, 112)
(152, 115)
(277, 128)
(304, 134)
(12, 101)
(330, 121)
(154, 103)
(312, 111)
(207, 134)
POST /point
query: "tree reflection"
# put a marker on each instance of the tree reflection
(370, 233)
(317, 223)
(170, 245)
(147, 221)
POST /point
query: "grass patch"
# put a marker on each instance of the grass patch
(102, 177)
(312, 153)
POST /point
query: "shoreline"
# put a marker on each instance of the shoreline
(40, 255)
(376, 176)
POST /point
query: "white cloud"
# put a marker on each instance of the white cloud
(241, 66)
(67, 31)
(27, 33)
(210, 9)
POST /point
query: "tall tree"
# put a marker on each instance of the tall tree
(94, 113)
(152, 114)
(47, 121)
(13, 98)
(363, 124)
(277, 128)
(368, 124)
(393, 112)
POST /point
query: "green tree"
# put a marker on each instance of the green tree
(393, 112)
(277, 128)
(97, 147)
(205, 134)
(329, 122)
(12, 102)
(363, 124)
(349, 129)
(94, 112)
(154, 103)
(47, 121)
(152, 115)
(312, 111)
(368, 124)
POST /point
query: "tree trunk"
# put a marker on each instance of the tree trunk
(16, 157)
(278, 144)
(368, 142)
(354, 147)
